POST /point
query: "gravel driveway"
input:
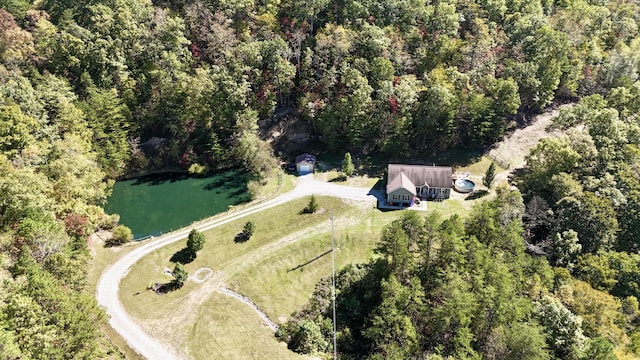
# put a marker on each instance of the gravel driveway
(108, 285)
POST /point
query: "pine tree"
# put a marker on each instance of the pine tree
(195, 242)
(347, 165)
(249, 229)
(312, 206)
(180, 275)
(489, 176)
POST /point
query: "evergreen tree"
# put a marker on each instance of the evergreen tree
(180, 276)
(249, 229)
(392, 330)
(195, 242)
(312, 206)
(347, 165)
(489, 176)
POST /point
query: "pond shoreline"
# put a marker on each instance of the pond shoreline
(136, 175)
(159, 202)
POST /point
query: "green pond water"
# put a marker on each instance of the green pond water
(156, 204)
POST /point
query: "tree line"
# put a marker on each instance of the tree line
(195, 85)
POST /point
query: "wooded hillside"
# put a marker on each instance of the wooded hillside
(180, 84)
(465, 289)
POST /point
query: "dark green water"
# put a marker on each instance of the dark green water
(159, 203)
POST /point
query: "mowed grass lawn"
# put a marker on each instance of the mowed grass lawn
(282, 281)
(284, 239)
(277, 268)
(220, 252)
(229, 329)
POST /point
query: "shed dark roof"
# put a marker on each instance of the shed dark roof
(434, 176)
(307, 158)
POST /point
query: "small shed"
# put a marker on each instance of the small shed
(305, 164)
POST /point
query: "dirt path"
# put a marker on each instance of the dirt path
(515, 147)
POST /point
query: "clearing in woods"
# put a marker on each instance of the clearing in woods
(201, 321)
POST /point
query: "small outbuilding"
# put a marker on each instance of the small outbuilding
(305, 164)
(405, 183)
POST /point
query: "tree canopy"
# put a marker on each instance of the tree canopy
(177, 84)
(96, 90)
(467, 289)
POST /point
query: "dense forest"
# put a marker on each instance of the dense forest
(98, 89)
(466, 289)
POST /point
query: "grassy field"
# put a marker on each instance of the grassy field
(276, 230)
(479, 168)
(283, 280)
(337, 177)
(277, 268)
(228, 329)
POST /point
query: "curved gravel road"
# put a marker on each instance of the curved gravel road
(107, 288)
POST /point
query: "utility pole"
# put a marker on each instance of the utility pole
(333, 287)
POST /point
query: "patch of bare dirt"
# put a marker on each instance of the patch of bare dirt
(97, 239)
(289, 135)
(516, 146)
(201, 275)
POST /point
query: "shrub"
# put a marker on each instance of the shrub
(197, 169)
(121, 235)
(108, 222)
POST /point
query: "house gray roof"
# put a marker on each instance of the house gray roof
(307, 158)
(401, 181)
(434, 176)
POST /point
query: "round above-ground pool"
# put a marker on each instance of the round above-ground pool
(464, 185)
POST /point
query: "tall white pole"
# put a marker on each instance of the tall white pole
(333, 287)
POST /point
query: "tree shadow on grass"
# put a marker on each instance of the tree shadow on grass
(339, 178)
(161, 289)
(306, 210)
(241, 237)
(183, 256)
(477, 194)
(112, 243)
